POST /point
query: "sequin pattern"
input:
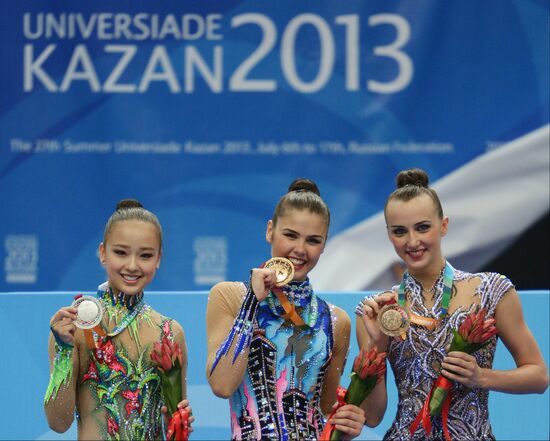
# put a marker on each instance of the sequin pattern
(416, 361)
(279, 397)
(127, 391)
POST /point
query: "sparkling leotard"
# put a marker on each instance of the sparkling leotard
(416, 361)
(279, 397)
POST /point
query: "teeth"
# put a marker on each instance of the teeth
(131, 278)
(296, 261)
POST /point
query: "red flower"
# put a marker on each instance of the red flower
(472, 334)
(370, 364)
(475, 329)
(165, 354)
(368, 370)
(168, 358)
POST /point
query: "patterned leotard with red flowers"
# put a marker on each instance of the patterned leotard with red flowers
(119, 376)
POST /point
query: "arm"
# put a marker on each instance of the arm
(347, 419)
(341, 333)
(179, 338)
(369, 336)
(531, 374)
(229, 321)
(224, 305)
(60, 399)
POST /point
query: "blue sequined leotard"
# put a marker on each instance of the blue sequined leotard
(279, 397)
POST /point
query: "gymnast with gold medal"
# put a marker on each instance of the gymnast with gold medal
(276, 350)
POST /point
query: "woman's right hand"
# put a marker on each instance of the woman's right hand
(62, 324)
(261, 281)
(371, 308)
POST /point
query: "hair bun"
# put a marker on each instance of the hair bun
(125, 204)
(413, 176)
(304, 184)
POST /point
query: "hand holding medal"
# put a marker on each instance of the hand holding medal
(383, 317)
(274, 273)
(62, 325)
(393, 319)
(85, 313)
(284, 270)
(89, 311)
(284, 274)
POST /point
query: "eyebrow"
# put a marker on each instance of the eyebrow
(127, 246)
(290, 230)
(415, 225)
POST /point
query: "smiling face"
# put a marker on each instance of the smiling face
(415, 230)
(300, 236)
(131, 255)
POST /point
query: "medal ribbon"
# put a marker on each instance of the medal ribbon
(424, 415)
(289, 308)
(430, 323)
(329, 427)
(178, 426)
(126, 320)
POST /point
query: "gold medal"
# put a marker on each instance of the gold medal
(393, 320)
(284, 270)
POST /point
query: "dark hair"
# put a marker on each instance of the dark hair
(131, 209)
(412, 183)
(302, 194)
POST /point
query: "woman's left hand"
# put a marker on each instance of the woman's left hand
(349, 420)
(463, 368)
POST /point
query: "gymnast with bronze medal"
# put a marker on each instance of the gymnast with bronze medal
(416, 325)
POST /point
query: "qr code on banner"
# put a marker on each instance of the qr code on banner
(210, 263)
(21, 262)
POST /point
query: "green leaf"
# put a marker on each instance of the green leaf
(437, 400)
(359, 389)
(458, 343)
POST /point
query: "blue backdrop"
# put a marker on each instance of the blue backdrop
(205, 111)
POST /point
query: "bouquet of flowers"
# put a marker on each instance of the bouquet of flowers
(368, 370)
(167, 356)
(473, 334)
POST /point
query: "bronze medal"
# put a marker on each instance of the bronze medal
(393, 320)
(284, 270)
